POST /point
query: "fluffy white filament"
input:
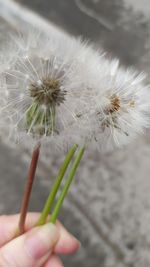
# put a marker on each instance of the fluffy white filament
(63, 91)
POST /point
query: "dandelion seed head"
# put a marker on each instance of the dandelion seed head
(40, 99)
(35, 87)
(122, 111)
(67, 92)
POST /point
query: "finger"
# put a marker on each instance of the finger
(67, 244)
(8, 226)
(53, 261)
(29, 249)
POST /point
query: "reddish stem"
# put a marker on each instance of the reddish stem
(28, 189)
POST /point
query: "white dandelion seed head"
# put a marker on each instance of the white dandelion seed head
(40, 97)
(66, 92)
(120, 109)
(118, 103)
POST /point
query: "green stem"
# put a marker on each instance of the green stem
(66, 186)
(51, 197)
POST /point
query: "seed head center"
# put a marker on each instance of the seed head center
(114, 104)
(47, 92)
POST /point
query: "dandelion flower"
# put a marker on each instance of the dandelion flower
(40, 96)
(120, 106)
(67, 92)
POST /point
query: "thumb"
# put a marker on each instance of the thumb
(30, 249)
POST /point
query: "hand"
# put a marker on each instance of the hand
(38, 247)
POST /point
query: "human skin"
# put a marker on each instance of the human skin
(37, 247)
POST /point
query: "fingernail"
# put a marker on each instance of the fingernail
(41, 240)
